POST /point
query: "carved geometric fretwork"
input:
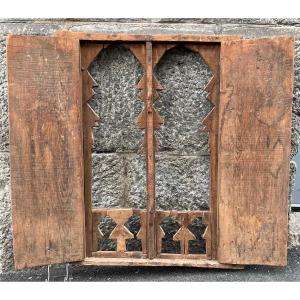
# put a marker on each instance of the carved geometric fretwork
(141, 235)
(210, 56)
(210, 53)
(183, 234)
(89, 52)
(120, 232)
(150, 235)
(139, 52)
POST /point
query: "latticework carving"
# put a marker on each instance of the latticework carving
(121, 233)
(183, 234)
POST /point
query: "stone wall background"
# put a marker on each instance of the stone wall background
(118, 164)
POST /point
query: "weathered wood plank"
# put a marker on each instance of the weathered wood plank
(45, 150)
(88, 53)
(254, 150)
(199, 263)
(150, 155)
(93, 36)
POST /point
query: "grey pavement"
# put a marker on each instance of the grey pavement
(91, 273)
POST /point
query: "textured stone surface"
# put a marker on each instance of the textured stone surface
(6, 250)
(182, 103)
(120, 181)
(108, 180)
(147, 28)
(257, 31)
(294, 229)
(182, 182)
(3, 99)
(31, 28)
(295, 134)
(136, 183)
(117, 73)
(296, 102)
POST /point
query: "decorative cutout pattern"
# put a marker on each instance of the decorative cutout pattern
(121, 234)
(150, 233)
(89, 52)
(184, 234)
(140, 53)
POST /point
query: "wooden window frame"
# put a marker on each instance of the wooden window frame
(208, 48)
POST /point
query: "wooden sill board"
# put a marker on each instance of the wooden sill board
(157, 262)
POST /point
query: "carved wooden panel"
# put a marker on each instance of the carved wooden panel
(121, 233)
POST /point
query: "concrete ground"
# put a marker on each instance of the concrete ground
(88, 273)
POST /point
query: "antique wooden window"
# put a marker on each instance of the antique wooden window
(51, 135)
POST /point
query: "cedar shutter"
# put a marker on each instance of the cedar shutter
(254, 150)
(45, 150)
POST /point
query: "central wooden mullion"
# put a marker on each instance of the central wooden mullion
(150, 155)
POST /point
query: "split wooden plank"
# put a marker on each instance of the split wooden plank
(46, 155)
(254, 150)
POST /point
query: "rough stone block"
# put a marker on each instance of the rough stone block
(117, 73)
(295, 134)
(3, 99)
(136, 181)
(182, 183)
(296, 102)
(182, 103)
(108, 180)
(147, 28)
(294, 230)
(120, 181)
(257, 31)
(31, 28)
(6, 250)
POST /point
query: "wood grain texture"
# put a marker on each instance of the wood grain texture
(94, 36)
(254, 150)
(150, 155)
(158, 262)
(88, 53)
(45, 150)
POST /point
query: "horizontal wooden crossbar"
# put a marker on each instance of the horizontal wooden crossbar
(94, 36)
(158, 262)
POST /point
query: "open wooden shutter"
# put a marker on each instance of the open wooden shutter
(254, 150)
(45, 150)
